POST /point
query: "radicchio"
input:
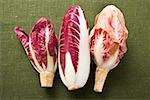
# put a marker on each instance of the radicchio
(107, 42)
(74, 53)
(41, 48)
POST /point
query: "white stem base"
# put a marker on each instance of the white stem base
(46, 79)
(100, 77)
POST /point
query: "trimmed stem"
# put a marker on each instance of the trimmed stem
(72, 88)
(100, 77)
(46, 79)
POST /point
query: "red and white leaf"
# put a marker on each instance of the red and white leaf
(70, 36)
(24, 39)
(43, 43)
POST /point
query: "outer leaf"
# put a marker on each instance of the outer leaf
(24, 39)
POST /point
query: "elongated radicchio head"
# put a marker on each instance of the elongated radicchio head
(41, 49)
(74, 55)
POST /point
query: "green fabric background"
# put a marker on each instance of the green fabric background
(19, 81)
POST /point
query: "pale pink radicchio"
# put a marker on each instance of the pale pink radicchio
(74, 51)
(107, 42)
(41, 48)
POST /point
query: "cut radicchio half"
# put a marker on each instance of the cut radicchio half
(107, 43)
(74, 52)
(41, 48)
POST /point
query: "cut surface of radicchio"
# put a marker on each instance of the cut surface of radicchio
(41, 48)
(74, 53)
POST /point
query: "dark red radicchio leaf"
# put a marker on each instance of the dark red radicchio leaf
(70, 36)
(24, 39)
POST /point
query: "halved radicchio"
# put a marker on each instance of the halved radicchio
(74, 52)
(41, 48)
(107, 42)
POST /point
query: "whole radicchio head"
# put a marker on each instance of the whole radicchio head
(74, 53)
(107, 42)
(41, 48)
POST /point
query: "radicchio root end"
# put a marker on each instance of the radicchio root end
(46, 79)
(100, 77)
